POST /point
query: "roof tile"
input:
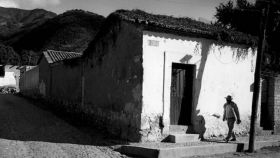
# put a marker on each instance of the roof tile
(185, 25)
(53, 56)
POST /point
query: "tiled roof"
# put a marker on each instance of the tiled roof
(184, 26)
(53, 56)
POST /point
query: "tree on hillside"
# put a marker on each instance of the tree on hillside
(8, 55)
(242, 16)
(29, 57)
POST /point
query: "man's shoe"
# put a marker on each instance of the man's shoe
(233, 139)
(226, 140)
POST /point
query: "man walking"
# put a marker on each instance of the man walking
(231, 114)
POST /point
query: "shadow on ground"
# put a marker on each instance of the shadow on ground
(21, 120)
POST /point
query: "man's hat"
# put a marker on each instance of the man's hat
(228, 97)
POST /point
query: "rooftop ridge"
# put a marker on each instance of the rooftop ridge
(185, 25)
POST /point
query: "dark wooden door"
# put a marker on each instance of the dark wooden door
(266, 112)
(181, 94)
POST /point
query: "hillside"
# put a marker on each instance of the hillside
(13, 20)
(70, 31)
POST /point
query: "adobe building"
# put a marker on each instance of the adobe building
(59, 81)
(147, 76)
(53, 79)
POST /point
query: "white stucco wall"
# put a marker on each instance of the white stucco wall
(11, 77)
(224, 73)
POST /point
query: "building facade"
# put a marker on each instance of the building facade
(145, 75)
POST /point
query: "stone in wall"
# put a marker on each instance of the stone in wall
(277, 106)
(150, 128)
(121, 124)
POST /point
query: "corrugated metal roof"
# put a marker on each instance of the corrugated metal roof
(53, 56)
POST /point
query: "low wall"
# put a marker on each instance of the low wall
(29, 83)
(65, 85)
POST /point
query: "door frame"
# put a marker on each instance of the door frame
(185, 67)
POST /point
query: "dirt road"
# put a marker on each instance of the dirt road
(28, 131)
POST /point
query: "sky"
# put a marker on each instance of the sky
(204, 9)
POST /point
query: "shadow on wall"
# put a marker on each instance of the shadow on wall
(198, 121)
(201, 125)
(113, 81)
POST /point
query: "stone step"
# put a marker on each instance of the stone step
(183, 138)
(191, 151)
(178, 129)
(265, 132)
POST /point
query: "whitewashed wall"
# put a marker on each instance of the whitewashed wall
(11, 77)
(220, 72)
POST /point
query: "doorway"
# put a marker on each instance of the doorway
(267, 108)
(182, 93)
